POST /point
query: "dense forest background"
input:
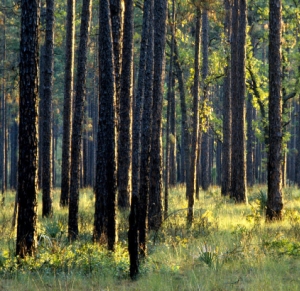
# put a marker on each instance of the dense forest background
(135, 98)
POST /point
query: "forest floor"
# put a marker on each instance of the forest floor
(229, 247)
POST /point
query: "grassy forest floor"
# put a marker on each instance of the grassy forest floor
(229, 247)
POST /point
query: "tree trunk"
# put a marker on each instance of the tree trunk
(126, 97)
(77, 127)
(226, 146)
(146, 141)
(238, 181)
(105, 224)
(68, 101)
(28, 130)
(47, 111)
(274, 203)
(250, 142)
(184, 127)
(191, 187)
(155, 202)
(205, 136)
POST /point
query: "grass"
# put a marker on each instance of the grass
(229, 247)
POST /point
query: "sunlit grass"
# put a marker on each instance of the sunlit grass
(229, 247)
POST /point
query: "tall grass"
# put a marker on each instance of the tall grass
(229, 247)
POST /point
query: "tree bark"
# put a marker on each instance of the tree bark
(191, 187)
(28, 130)
(126, 98)
(226, 146)
(105, 224)
(68, 100)
(274, 202)
(155, 202)
(238, 179)
(47, 111)
(77, 126)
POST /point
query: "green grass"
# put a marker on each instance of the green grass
(229, 247)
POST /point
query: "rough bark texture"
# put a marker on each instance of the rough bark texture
(146, 141)
(226, 146)
(184, 127)
(125, 114)
(77, 126)
(28, 130)
(205, 154)
(238, 179)
(170, 95)
(105, 224)
(68, 99)
(160, 27)
(47, 111)
(133, 234)
(191, 188)
(274, 202)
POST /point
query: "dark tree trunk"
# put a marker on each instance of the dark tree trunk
(77, 126)
(68, 100)
(205, 137)
(155, 202)
(47, 111)
(172, 159)
(4, 110)
(126, 97)
(274, 203)
(250, 142)
(226, 146)
(28, 130)
(173, 165)
(133, 234)
(116, 15)
(105, 224)
(191, 187)
(146, 141)
(238, 180)
(184, 127)
(14, 154)
(168, 124)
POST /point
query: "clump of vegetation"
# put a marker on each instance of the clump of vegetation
(229, 247)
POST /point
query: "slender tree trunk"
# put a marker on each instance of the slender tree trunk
(155, 202)
(126, 97)
(205, 136)
(185, 153)
(238, 181)
(275, 203)
(133, 234)
(68, 101)
(28, 140)
(77, 127)
(105, 224)
(168, 124)
(191, 187)
(146, 129)
(226, 146)
(250, 141)
(47, 111)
